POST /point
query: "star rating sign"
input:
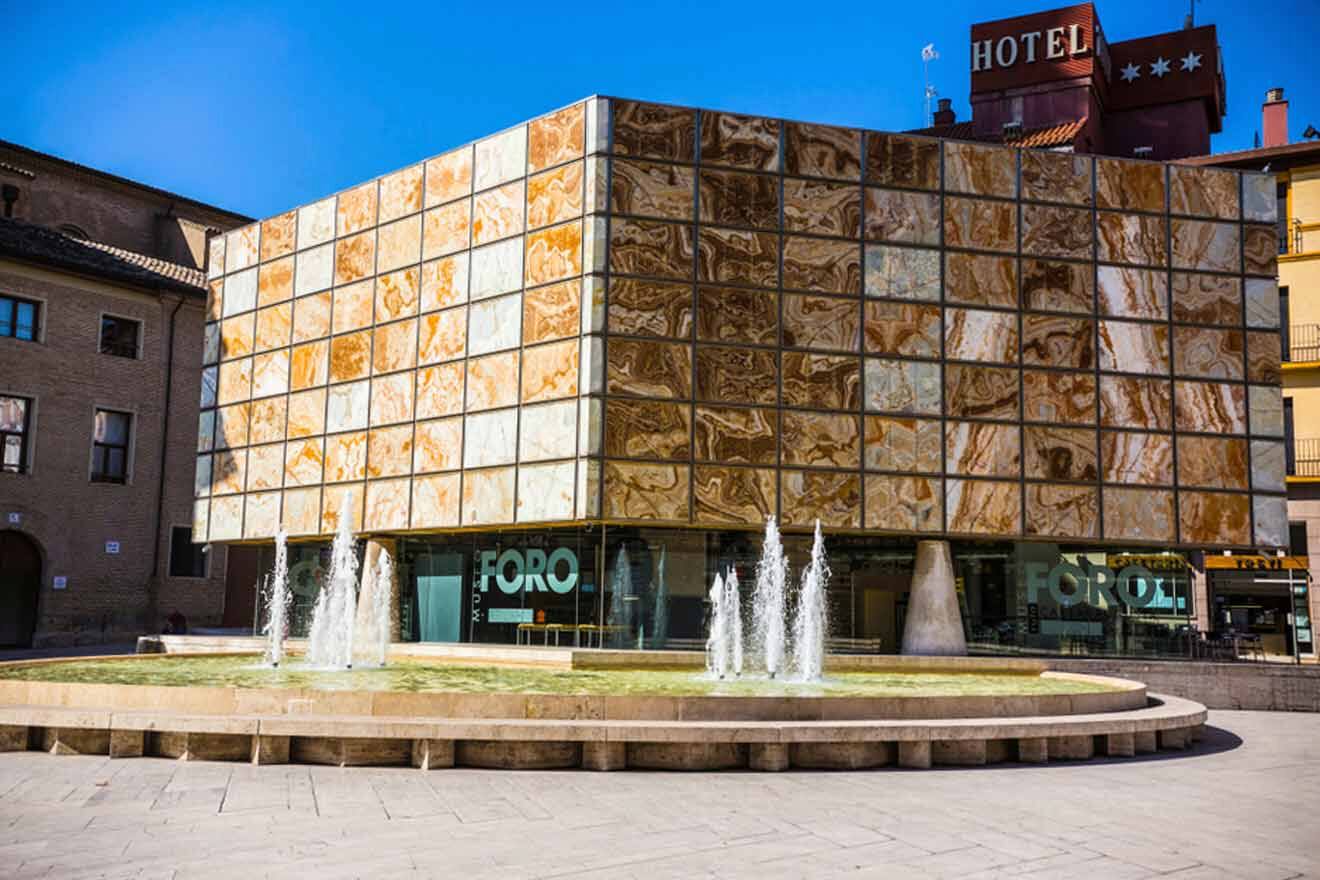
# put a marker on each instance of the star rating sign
(1159, 67)
(1191, 62)
(1130, 72)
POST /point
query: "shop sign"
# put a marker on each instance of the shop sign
(1257, 563)
(509, 615)
(1171, 562)
(1133, 585)
(531, 570)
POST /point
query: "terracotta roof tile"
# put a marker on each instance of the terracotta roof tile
(1061, 135)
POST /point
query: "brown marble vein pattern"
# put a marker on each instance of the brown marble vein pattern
(442, 335)
(1207, 354)
(1127, 402)
(275, 282)
(833, 498)
(734, 314)
(904, 504)
(553, 254)
(1138, 514)
(980, 223)
(1057, 341)
(1202, 244)
(350, 356)
(1203, 192)
(654, 132)
(734, 375)
(550, 371)
(401, 193)
(640, 307)
(980, 170)
(981, 392)
(982, 449)
(1267, 466)
(1210, 407)
(444, 282)
(737, 198)
(985, 507)
(648, 429)
(652, 189)
(822, 151)
(1056, 177)
(902, 272)
(1207, 299)
(906, 329)
(351, 307)
(446, 229)
(554, 196)
(742, 141)
(303, 462)
(268, 418)
(901, 444)
(1264, 352)
(356, 209)
(647, 247)
(440, 390)
(448, 177)
(277, 235)
(902, 216)
(646, 491)
(1260, 250)
(1057, 287)
(980, 335)
(1130, 347)
(1136, 239)
(308, 365)
(355, 257)
(1129, 186)
(346, 457)
(821, 322)
(823, 381)
(810, 439)
(733, 495)
(900, 386)
(897, 160)
(980, 279)
(737, 256)
(1059, 453)
(1054, 231)
(1214, 518)
(1067, 398)
(556, 137)
(1139, 458)
(738, 435)
(1213, 462)
(397, 294)
(497, 213)
(551, 312)
(1062, 511)
(1127, 292)
(826, 266)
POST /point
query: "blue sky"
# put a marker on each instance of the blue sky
(257, 109)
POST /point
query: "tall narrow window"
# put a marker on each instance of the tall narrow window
(1289, 439)
(1281, 213)
(14, 412)
(1285, 319)
(110, 437)
(119, 336)
(18, 318)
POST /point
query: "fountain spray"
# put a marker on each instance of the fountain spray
(811, 622)
(277, 601)
(330, 642)
(734, 631)
(768, 601)
(381, 606)
(717, 643)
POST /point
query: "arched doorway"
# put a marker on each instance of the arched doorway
(20, 582)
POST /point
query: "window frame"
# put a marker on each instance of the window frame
(38, 308)
(101, 451)
(24, 437)
(197, 551)
(137, 336)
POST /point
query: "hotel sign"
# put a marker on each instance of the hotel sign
(1030, 49)
(1050, 44)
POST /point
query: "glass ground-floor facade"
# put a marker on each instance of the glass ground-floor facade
(638, 587)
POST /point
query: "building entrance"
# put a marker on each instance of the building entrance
(20, 584)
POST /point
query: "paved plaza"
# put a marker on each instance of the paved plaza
(1244, 804)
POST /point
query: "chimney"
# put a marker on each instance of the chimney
(944, 115)
(1274, 119)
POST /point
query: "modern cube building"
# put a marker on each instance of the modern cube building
(567, 371)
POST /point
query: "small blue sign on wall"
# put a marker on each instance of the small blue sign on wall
(509, 615)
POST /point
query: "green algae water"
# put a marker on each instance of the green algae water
(420, 677)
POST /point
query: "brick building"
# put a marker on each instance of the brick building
(102, 301)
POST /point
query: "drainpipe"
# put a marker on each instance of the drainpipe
(153, 593)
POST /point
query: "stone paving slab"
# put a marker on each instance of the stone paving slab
(1245, 803)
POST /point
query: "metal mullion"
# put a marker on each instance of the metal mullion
(1173, 384)
(1246, 377)
(944, 389)
(1021, 331)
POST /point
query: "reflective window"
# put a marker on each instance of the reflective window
(14, 434)
(18, 318)
(110, 436)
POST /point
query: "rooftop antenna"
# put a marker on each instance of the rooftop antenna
(1190, 21)
(928, 54)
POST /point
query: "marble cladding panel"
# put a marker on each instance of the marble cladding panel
(902, 216)
(981, 392)
(202, 476)
(1214, 518)
(440, 390)
(345, 500)
(240, 293)
(904, 329)
(981, 335)
(822, 208)
(649, 369)
(554, 254)
(654, 131)
(741, 141)
(206, 430)
(306, 413)
(215, 257)
(1207, 299)
(1214, 462)
(435, 501)
(824, 381)
(591, 425)
(313, 270)
(355, 257)
(982, 449)
(1131, 347)
(1264, 356)
(552, 312)
(550, 371)
(351, 307)
(641, 307)
(399, 244)
(226, 519)
(448, 177)
(1058, 287)
(1270, 513)
(733, 198)
(444, 282)
(496, 213)
(648, 429)
(1066, 398)
(986, 507)
(545, 492)
(1059, 453)
(302, 511)
(1061, 511)
(270, 373)
(821, 322)
(446, 229)
(901, 444)
(401, 193)
(346, 406)
(733, 375)
(241, 248)
(1260, 250)
(904, 504)
(210, 381)
(1265, 407)
(1203, 192)
(1128, 402)
(236, 336)
(232, 424)
(636, 490)
(980, 170)
(392, 399)
(274, 327)
(275, 281)
(490, 438)
(556, 137)
(1054, 231)
(1259, 197)
(1262, 296)
(898, 160)
(1134, 239)
(822, 151)
(494, 324)
(1129, 186)
(316, 223)
(1210, 354)
(1267, 466)
(1210, 407)
(731, 314)
(653, 189)
(397, 294)
(832, 497)
(387, 504)
(488, 496)
(812, 439)
(736, 435)
(980, 223)
(1058, 341)
(265, 466)
(902, 272)
(1056, 177)
(442, 336)
(648, 247)
(261, 515)
(1134, 457)
(901, 386)
(499, 158)
(1138, 514)
(215, 292)
(438, 445)
(235, 381)
(496, 268)
(1205, 245)
(356, 209)
(820, 265)
(304, 462)
(228, 471)
(492, 381)
(555, 196)
(268, 417)
(350, 356)
(980, 279)
(733, 495)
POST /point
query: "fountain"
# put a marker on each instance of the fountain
(811, 621)
(330, 642)
(724, 650)
(768, 602)
(376, 649)
(277, 601)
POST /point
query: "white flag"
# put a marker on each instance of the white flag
(928, 53)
